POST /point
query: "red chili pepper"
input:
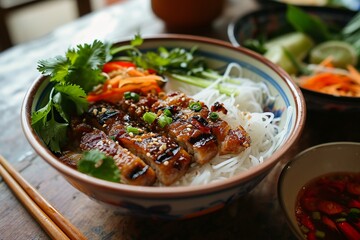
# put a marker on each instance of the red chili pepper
(305, 220)
(356, 225)
(112, 66)
(310, 203)
(152, 71)
(330, 207)
(329, 223)
(353, 188)
(354, 204)
(350, 232)
(337, 187)
(311, 236)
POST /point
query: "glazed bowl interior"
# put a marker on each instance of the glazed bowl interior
(271, 21)
(218, 54)
(313, 162)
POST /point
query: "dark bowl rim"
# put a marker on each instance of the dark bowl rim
(171, 191)
(234, 25)
(288, 165)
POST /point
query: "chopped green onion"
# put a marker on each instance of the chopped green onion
(167, 112)
(131, 95)
(319, 234)
(316, 215)
(134, 130)
(164, 120)
(304, 229)
(354, 210)
(214, 116)
(112, 138)
(149, 117)
(341, 220)
(195, 106)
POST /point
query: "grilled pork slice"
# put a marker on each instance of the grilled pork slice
(230, 141)
(70, 158)
(165, 156)
(187, 129)
(133, 170)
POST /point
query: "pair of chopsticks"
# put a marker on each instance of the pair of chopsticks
(55, 224)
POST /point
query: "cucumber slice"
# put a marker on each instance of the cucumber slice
(297, 43)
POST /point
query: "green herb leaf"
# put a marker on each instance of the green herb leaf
(97, 164)
(257, 45)
(57, 68)
(61, 105)
(53, 133)
(298, 65)
(132, 95)
(41, 114)
(74, 74)
(351, 33)
(137, 41)
(81, 66)
(76, 94)
(308, 24)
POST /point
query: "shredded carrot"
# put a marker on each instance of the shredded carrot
(337, 84)
(354, 74)
(327, 62)
(128, 80)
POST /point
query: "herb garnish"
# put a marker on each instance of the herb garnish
(73, 75)
(97, 164)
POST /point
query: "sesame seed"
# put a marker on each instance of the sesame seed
(131, 134)
(189, 125)
(99, 163)
(95, 111)
(148, 154)
(166, 163)
(103, 110)
(188, 129)
(162, 147)
(104, 125)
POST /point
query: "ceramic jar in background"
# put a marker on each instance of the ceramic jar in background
(187, 15)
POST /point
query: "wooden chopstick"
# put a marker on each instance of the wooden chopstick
(53, 222)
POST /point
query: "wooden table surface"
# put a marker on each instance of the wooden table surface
(256, 216)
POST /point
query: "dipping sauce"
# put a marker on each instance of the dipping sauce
(328, 207)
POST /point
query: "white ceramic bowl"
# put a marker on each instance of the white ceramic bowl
(310, 164)
(184, 201)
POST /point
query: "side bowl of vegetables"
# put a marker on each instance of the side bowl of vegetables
(319, 191)
(44, 121)
(275, 32)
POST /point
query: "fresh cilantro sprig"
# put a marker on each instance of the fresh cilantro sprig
(97, 164)
(73, 76)
(175, 60)
(81, 66)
